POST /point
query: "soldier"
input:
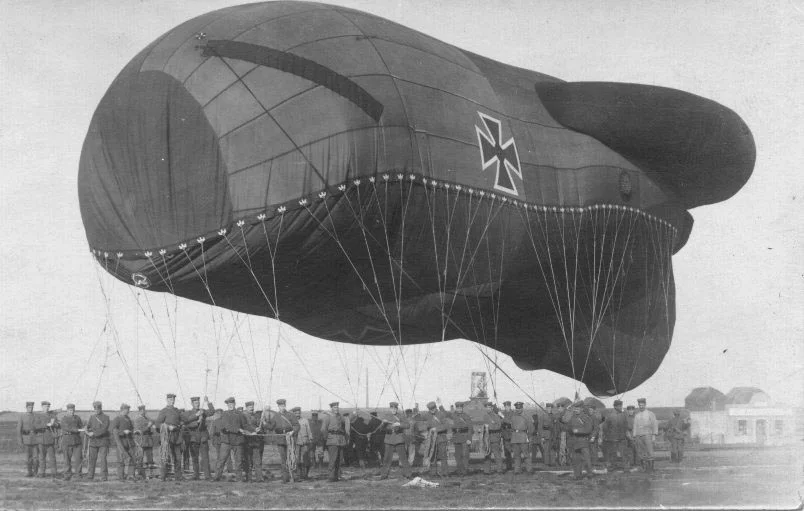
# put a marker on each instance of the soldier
(71, 444)
(281, 423)
(580, 426)
(560, 436)
(506, 433)
(630, 443)
(318, 440)
(123, 434)
(535, 439)
(336, 429)
(144, 438)
(493, 422)
(521, 430)
(98, 433)
(461, 437)
(437, 421)
(644, 431)
(675, 433)
(253, 445)
(614, 437)
(597, 421)
(395, 424)
(46, 425)
(305, 445)
(195, 426)
(169, 424)
(27, 439)
(233, 427)
(548, 454)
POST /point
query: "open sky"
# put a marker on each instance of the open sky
(739, 279)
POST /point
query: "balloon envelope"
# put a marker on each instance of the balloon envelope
(370, 184)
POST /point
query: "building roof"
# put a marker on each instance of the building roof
(704, 399)
(746, 395)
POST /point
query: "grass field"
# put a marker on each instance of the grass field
(752, 477)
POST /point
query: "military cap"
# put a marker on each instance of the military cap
(393, 404)
(229, 400)
(219, 411)
(97, 404)
(642, 400)
(506, 403)
(629, 407)
(195, 398)
(29, 403)
(518, 405)
(459, 404)
(70, 406)
(334, 404)
(249, 403)
(124, 406)
(548, 405)
(488, 404)
(296, 409)
(314, 414)
(373, 414)
(431, 404)
(281, 401)
(141, 407)
(45, 403)
(617, 402)
(170, 395)
(408, 410)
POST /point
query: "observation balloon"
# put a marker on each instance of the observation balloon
(366, 183)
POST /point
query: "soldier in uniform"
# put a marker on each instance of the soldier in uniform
(336, 429)
(461, 437)
(71, 443)
(437, 421)
(305, 445)
(215, 435)
(318, 440)
(46, 425)
(170, 418)
(395, 425)
(494, 423)
(560, 431)
(123, 434)
(548, 454)
(506, 433)
(98, 433)
(253, 445)
(281, 423)
(521, 430)
(645, 429)
(195, 426)
(597, 421)
(27, 439)
(580, 426)
(144, 439)
(233, 427)
(630, 443)
(535, 439)
(613, 432)
(675, 433)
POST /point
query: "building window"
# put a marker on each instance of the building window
(778, 427)
(742, 428)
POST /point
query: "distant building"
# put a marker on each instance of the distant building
(747, 416)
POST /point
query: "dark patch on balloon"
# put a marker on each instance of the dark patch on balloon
(299, 66)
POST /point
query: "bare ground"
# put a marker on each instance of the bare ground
(749, 477)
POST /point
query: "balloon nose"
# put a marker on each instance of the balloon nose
(151, 172)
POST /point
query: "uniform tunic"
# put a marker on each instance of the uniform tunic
(614, 431)
(171, 416)
(644, 429)
(231, 424)
(98, 425)
(395, 426)
(71, 444)
(28, 439)
(282, 423)
(461, 437)
(144, 434)
(675, 433)
(580, 428)
(336, 429)
(521, 430)
(124, 443)
(195, 425)
(46, 425)
(494, 424)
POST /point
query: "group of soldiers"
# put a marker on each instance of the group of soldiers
(417, 438)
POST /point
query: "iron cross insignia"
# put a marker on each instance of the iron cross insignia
(494, 152)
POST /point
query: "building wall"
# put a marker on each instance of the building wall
(744, 424)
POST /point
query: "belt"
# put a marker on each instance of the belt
(336, 432)
(462, 430)
(494, 431)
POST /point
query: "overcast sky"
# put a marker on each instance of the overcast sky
(739, 279)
